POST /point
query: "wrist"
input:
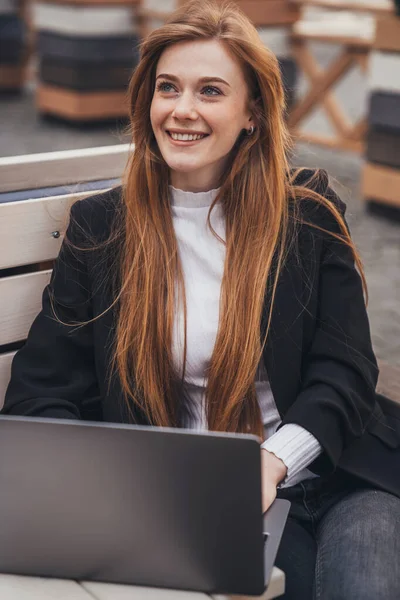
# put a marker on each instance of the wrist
(273, 467)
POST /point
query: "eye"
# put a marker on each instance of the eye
(164, 85)
(214, 89)
(161, 86)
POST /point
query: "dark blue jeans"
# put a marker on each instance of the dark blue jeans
(341, 541)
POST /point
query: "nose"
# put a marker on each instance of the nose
(184, 107)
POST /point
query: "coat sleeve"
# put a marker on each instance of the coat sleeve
(53, 374)
(339, 373)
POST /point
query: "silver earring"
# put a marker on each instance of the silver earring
(251, 130)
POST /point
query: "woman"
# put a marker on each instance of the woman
(212, 234)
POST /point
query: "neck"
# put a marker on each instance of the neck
(194, 182)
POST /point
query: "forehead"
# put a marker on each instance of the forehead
(200, 58)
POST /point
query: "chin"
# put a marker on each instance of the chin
(182, 168)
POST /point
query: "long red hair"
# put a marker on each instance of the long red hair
(255, 192)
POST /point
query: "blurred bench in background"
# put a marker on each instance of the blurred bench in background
(377, 7)
(86, 52)
(381, 173)
(14, 45)
(354, 33)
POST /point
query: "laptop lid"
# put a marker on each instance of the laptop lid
(128, 504)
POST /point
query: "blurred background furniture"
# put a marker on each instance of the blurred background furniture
(381, 173)
(353, 33)
(377, 7)
(274, 21)
(13, 45)
(86, 50)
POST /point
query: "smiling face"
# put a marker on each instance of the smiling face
(200, 89)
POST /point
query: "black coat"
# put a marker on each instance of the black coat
(318, 357)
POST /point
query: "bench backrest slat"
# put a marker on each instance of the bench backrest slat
(62, 168)
(26, 229)
(32, 227)
(20, 302)
(5, 372)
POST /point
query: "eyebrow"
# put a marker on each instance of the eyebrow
(201, 80)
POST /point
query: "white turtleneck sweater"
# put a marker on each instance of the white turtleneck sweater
(203, 257)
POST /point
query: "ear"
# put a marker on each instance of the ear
(255, 106)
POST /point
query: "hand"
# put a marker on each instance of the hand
(273, 471)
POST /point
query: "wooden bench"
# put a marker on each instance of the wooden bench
(354, 34)
(32, 229)
(381, 172)
(14, 587)
(31, 232)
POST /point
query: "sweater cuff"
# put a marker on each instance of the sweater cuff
(295, 446)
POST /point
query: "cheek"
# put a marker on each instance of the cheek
(156, 114)
(226, 121)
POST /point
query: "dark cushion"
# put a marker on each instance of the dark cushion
(93, 50)
(12, 39)
(384, 110)
(383, 146)
(82, 76)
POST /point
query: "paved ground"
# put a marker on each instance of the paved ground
(377, 238)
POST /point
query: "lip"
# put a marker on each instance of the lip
(183, 142)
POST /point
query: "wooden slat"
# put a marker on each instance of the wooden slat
(165, 5)
(62, 168)
(381, 184)
(150, 13)
(12, 76)
(271, 12)
(311, 68)
(384, 71)
(261, 12)
(115, 591)
(333, 38)
(18, 587)
(83, 21)
(337, 143)
(79, 106)
(387, 35)
(5, 372)
(325, 81)
(20, 302)
(373, 7)
(26, 229)
(132, 3)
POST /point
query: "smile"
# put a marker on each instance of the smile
(182, 139)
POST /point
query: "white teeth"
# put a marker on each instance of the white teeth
(186, 137)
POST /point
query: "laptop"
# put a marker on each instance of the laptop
(147, 506)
